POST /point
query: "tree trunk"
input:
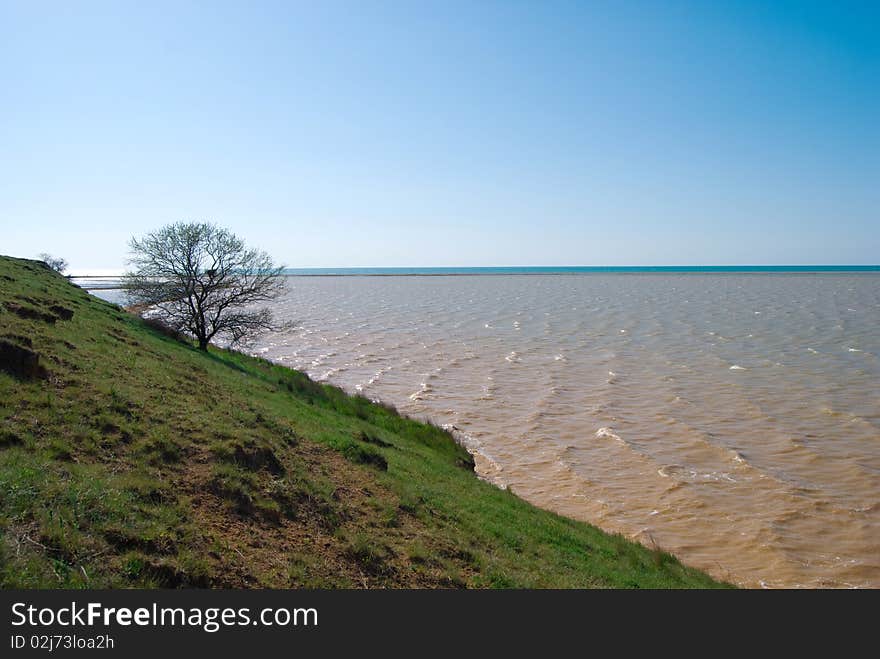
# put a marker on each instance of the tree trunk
(203, 344)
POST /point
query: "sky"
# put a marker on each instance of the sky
(379, 134)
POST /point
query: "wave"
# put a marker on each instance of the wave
(330, 373)
(423, 392)
(685, 474)
(609, 433)
(487, 467)
(647, 411)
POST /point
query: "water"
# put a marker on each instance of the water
(580, 269)
(732, 418)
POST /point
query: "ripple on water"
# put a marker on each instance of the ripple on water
(751, 475)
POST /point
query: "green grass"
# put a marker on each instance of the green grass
(131, 459)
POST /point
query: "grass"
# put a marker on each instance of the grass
(130, 459)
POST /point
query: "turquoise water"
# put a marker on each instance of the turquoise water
(583, 269)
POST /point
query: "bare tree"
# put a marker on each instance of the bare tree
(58, 264)
(202, 279)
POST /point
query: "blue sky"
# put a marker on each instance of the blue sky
(473, 133)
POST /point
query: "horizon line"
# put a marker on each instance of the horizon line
(111, 272)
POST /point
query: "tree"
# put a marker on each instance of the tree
(202, 279)
(58, 264)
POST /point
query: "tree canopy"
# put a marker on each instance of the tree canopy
(202, 279)
(58, 264)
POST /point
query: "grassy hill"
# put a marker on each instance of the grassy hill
(130, 459)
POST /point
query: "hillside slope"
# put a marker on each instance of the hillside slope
(130, 459)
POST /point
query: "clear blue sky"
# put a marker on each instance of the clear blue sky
(472, 133)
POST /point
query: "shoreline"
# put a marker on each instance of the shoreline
(484, 466)
(188, 469)
(561, 495)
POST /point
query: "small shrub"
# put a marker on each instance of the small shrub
(56, 263)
